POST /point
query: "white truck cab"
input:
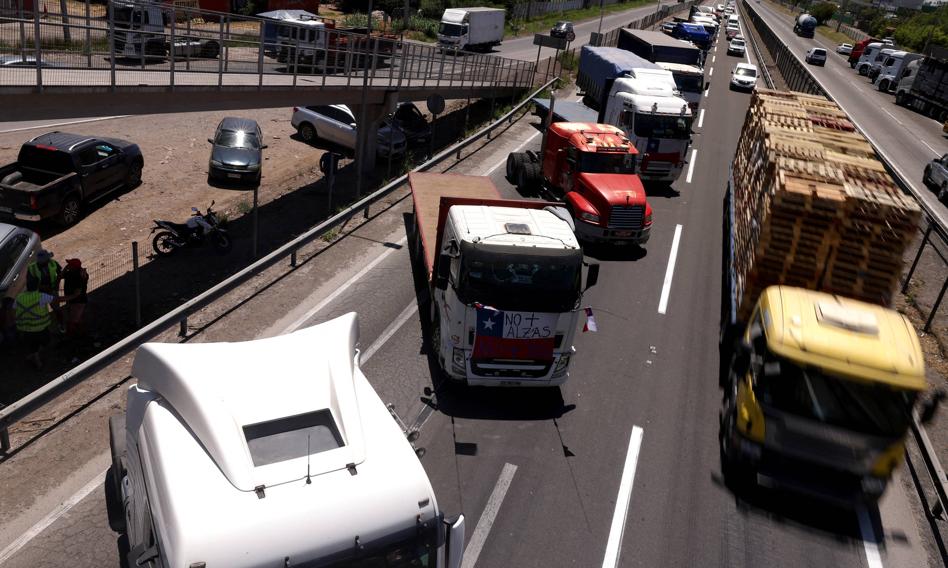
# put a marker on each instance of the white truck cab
(689, 79)
(273, 452)
(656, 120)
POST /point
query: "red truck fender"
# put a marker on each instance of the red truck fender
(578, 204)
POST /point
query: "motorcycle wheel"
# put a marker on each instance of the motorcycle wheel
(164, 243)
(222, 243)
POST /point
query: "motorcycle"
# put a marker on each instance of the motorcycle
(174, 236)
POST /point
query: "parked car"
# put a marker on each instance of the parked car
(668, 27)
(336, 124)
(237, 151)
(57, 174)
(18, 248)
(736, 47)
(844, 48)
(744, 76)
(816, 56)
(935, 176)
(563, 30)
(412, 123)
(25, 61)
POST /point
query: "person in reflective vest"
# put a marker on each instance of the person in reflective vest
(48, 273)
(33, 319)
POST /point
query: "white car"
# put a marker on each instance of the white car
(844, 48)
(336, 124)
(816, 56)
(736, 47)
(744, 77)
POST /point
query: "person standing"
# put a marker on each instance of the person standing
(48, 273)
(33, 320)
(75, 288)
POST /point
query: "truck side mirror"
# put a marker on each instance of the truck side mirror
(930, 407)
(211, 140)
(454, 545)
(592, 276)
(444, 270)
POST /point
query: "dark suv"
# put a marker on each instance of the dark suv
(237, 154)
(563, 30)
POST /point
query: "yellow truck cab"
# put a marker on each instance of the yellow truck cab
(819, 395)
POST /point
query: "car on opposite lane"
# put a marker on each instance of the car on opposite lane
(237, 151)
(563, 29)
(744, 76)
(736, 47)
(844, 48)
(816, 56)
(935, 176)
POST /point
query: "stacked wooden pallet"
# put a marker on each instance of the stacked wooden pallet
(813, 205)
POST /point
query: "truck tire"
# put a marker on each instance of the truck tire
(113, 477)
(308, 133)
(211, 50)
(863, 70)
(515, 162)
(71, 210)
(529, 180)
(900, 98)
(884, 85)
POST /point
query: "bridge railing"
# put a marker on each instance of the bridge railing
(146, 44)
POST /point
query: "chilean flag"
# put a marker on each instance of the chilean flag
(513, 335)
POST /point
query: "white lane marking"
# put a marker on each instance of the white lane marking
(55, 124)
(710, 71)
(873, 558)
(51, 518)
(714, 57)
(517, 149)
(927, 145)
(669, 271)
(893, 116)
(701, 118)
(390, 331)
(614, 544)
(345, 286)
(708, 90)
(691, 165)
(484, 524)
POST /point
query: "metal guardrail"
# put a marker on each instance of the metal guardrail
(122, 46)
(23, 407)
(611, 38)
(812, 85)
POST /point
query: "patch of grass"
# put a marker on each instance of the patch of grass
(244, 207)
(830, 33)
(330, 235)
(569, 61)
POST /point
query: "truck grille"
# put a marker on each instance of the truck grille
(622, 217)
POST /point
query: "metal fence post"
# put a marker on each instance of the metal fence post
(183, 327)
(112, 45)
(256, 191)
(227, 48)
(918, 256)
(36, 44)
(222, 56)
(172, 54)
(88, 36)
(260, 60)
(937, 304)
(138, 286)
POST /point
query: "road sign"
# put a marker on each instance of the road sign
(549, 41)
(435, 104)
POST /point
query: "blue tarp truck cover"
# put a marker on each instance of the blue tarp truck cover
(599, 66)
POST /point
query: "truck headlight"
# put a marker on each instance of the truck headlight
(457, 361)
(561, 365)
(589, 217)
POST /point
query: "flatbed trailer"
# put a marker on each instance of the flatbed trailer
(565, 111)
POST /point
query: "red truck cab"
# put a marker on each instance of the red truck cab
(591, 167)
(858, 48)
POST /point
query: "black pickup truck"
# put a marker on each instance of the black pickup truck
(56, 174)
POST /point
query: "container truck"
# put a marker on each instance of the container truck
(471, 29)
(591, 169)
(657, 47)
(272, 452)
(893, 69)
(504, 279)
(600, 66)
(820, 378)
(924, 87)
(804, 25)
(694, 33)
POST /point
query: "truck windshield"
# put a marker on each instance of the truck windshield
(606, 163)
(510, 278)
(877, 410)
(662, 126)
(688, 82)
(451, 30)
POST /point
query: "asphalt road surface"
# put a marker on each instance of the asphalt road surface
(544, 476)
(909, 139)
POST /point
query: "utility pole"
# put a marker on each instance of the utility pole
(601, 14)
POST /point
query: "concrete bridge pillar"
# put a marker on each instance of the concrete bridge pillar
(367, 140)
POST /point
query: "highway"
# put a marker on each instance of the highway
(909, 139)
(542, 475)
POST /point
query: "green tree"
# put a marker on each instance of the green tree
(822, 12)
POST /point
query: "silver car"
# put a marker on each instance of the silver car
(336, 124)
(18, 248)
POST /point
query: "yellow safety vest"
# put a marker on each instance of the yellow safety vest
(30, 315)
(51, 267)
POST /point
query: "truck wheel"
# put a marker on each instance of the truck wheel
(884, 85)
(863, 71)
(71, 211)
(307, 133)
(514, 165)
(113, 477)
(926, 176)
(211, 50)
(900, 98)
(529, 178)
